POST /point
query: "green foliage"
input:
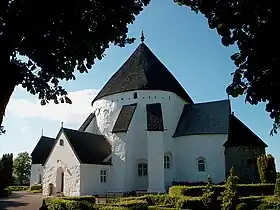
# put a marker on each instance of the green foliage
(251, 26)
(209, 197)
(18, 188)
(67, 204)
(35, 187)
(189, 203)
(242, 206)
(266, 168)
(22, 167)
(6, 171)
(57, 43)
(229, 196)
(89, 198)
(242, 190)
(277, 187)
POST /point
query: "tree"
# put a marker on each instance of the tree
(22, 167)
(251, 25)
(267, 168)
(209, 197)
(57, 37)
(6, 171)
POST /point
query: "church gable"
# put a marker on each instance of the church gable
(62, 151)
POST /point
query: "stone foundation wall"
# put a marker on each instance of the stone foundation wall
(244, 161)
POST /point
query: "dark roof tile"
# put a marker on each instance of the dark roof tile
(86, 122)
(42, 150)
(154, 117)
(143, 71)
(240, 135)
(204, 118)
(124, 118)
(89, 148)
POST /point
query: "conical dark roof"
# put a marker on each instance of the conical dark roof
(143, 71)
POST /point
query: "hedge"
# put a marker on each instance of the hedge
(88, 198)
(35, 187)
(68, 204)
(243, 190)
(18, 188)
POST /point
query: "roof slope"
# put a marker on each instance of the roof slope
(240, 135)
(86, 122)
(42, 150)
(154, 117)
(204, 118)
(142, 71)
(125, 116)
(89, 148)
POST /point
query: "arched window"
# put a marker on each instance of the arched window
(142, 169)
(201, 164)
(167, 161)
(135, 95)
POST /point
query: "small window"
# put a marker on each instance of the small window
(142, 169)
(103, 176)
(61, 142)
(201, 165)
(135, 95)
(167, 164)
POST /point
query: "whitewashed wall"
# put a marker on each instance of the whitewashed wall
(131, 147)
(90, 179)
(189, 148)
(62, 156)
(36, 171)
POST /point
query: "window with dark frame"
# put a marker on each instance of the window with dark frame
(103, 176)
(201, 165)
(142, 169)
(61, 142)
(167, 164)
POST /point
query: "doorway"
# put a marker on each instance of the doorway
(60, 180)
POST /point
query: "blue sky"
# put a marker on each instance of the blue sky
(180, 39)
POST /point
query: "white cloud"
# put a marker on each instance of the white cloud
(24, 129)
(74, 113)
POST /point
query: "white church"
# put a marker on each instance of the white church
(145, 133)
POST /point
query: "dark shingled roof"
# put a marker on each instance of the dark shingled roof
(89, 148)
(86, 122)
(42, 150)
(154, 117)
(143, 71)
(204, 118)
(124, 118)
(240, 135)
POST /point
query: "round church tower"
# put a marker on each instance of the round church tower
(137, 111)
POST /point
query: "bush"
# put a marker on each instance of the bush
(264, 206)
(189, 203)
(266, 168)
(252, 201)
(229, 196)
(133, 204)
(242, 206)
(88, 198)
(36, 187)
(242, 190)
(17, 188)
(277, 187)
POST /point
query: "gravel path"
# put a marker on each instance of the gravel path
(21, 201)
